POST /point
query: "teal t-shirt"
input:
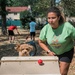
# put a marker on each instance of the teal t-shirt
(60, 40)
(32, 26)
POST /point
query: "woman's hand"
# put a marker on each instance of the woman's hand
(51, 53)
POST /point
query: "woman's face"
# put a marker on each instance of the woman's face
(53, 19)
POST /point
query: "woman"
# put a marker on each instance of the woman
(59, 35)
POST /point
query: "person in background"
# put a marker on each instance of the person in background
(32, 26)
(11, 33)
(59, 36)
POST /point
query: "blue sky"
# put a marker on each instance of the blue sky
(57, 1)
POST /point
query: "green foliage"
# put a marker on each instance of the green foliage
(25, 14)
(69, 6)
(38, 7)
(24, 2)
(41, 7)
(25, 18)
(3, 4)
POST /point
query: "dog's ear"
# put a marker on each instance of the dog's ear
(17, 46)
(31, 47)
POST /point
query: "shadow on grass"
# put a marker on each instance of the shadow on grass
(8, 50)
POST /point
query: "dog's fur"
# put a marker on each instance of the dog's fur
(24, 49)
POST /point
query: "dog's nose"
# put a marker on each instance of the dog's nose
(25, 52)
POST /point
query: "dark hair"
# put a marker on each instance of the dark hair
(57, 11)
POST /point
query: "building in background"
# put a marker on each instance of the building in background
(13, 16)
(14, 12)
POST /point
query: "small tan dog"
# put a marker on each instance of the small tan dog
(24, 49)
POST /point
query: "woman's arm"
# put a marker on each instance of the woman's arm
(44, 46)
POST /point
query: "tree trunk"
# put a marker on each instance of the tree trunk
(3, 15)
(4, 28)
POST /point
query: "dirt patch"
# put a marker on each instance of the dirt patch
(7, 49)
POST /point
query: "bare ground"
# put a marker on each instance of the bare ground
(7, 49)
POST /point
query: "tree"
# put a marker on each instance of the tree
(52, 2)
(41, 7)
(3, 12)
(38, 7)
(25, 18)
(68, 6)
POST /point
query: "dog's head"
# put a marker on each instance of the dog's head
(24, 49)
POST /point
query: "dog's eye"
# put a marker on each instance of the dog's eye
(27, 49)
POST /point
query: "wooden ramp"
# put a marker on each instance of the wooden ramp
(29, 65)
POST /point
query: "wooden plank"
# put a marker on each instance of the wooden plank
(29, 65)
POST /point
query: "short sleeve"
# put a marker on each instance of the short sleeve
(70, 30)
(43, 32)
(73, 32)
